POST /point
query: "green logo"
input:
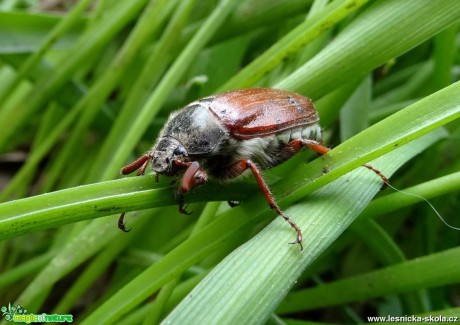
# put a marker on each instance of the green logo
(10, 311)
(19, 314)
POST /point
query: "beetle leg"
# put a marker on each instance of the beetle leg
(122, 224)
(386, 181)
(316, 146)
(141, 170)
(182, 205)
(239, 167)
(141, 163)
(233, 204)
(297, 144)
(175, 179)
(192, 178)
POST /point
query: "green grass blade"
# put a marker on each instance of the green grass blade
(387, 28)
(22, 32)
(168, 82)
(149, 22)
(433, 188)
(293, 42)
(386, 250)
(98, 200)
(46, 44)
(27, 268)
(151, 73)
(433, 270)
(10, 122)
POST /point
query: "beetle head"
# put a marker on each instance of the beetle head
(165, 151)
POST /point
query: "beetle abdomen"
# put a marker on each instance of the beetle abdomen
(277, 148)
(309, 132)
(267, 151)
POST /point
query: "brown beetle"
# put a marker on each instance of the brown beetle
(225, 134)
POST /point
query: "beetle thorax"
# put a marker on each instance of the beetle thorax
(164, 152)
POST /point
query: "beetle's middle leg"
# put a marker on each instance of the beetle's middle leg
(239, 167)
(317, 147)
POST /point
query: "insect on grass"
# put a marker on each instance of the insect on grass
(223, 135)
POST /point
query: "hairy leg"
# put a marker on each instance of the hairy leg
(239, 167)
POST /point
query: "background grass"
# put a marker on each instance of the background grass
(86, 88)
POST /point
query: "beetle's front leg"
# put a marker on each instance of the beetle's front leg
(192, 178)
(139, 164)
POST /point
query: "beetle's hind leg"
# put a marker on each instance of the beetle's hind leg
(239, 167)
(317, 147)
(386, 181)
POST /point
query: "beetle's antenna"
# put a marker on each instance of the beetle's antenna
(428, 202)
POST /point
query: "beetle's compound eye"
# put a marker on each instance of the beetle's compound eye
(179, 151)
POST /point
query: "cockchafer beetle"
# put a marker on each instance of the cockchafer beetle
(225, 134)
